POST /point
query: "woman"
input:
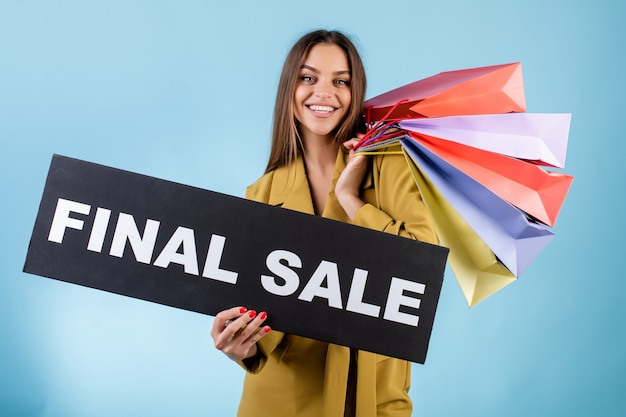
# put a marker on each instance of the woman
(312, 168)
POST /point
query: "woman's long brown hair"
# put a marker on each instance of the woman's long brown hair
(286, 142)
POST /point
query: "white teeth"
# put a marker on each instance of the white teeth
(315, 107)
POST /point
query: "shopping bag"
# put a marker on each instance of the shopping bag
(484, 90)
(537, 192)
(513, 238)
(476, 268)
(540, 138)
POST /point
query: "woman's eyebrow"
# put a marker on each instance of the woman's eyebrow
(315, 70)
(310, 68)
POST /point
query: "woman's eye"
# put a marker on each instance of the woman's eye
(307, 78)
(342, 82)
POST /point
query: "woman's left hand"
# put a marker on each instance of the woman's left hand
(348, 185)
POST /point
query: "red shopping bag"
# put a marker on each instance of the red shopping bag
(537, 192)
(484, 90)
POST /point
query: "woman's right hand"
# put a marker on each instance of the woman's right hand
(348, 185)
(235, 332)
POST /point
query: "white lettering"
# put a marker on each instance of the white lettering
(184, 237)
(396, 298)
(402, 299)
(126, 229)
(274, 264)
(332, 292)
(212, 266)
(355, 298)
(99, 230)
(62, 219)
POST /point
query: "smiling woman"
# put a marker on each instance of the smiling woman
(321, 101)
(286, 135)
(313, 169)
(322, 95)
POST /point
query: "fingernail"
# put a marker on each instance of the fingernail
(263, 315)
(252, 313)
(242, 310)
(266, 329)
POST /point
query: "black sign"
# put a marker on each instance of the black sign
(203, 251)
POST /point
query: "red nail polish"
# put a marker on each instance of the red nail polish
(243, 310)
(263, 315)
(251, 313)
(266, 329)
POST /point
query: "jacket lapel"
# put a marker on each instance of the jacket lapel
(290, 188)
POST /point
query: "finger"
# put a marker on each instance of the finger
(356, 160)
(255, 331)
(224, 317)
(253, 326)
(257, 336)
(351, 143)
(236, 326)
(230, 314)
(229, 334)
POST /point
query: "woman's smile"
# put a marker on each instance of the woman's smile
(321, 110)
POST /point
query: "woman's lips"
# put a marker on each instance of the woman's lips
(320, 109)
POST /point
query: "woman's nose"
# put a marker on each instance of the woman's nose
(322, 90)
(322, 94)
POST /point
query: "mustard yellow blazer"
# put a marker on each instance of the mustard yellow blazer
(296, 376)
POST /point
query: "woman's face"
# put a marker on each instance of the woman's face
(322, 96)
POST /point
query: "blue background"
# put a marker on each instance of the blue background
(184, 90)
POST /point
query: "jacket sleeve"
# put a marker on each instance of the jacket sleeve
(393, 202)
